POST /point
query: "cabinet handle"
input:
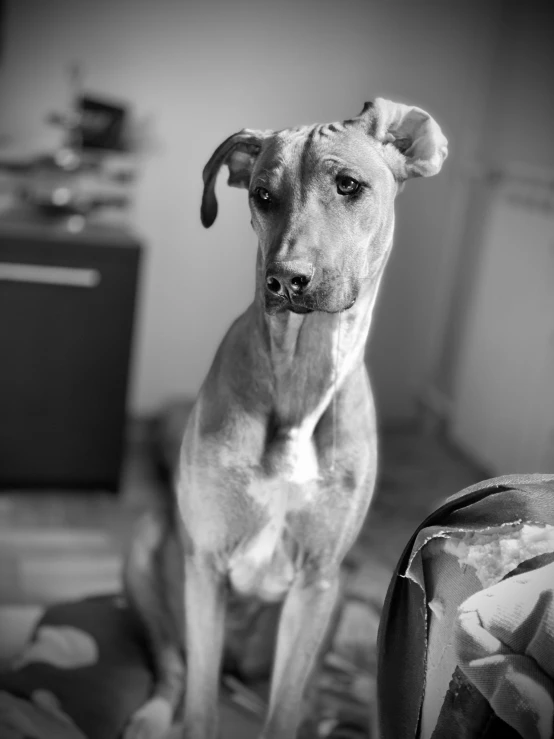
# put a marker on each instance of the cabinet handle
(46, 275)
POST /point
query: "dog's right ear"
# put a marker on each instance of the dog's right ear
(238, 152)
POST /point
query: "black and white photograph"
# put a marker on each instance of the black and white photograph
(276, 369)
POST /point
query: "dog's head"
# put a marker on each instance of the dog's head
(322, 197)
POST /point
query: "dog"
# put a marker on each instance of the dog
(279, 457)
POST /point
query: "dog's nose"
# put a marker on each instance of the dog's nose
(291, 278)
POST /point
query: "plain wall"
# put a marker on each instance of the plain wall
(200, 70)
(517, 134)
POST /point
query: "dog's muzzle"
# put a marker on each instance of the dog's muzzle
(288, 279)
(286, 286)
(292, 286)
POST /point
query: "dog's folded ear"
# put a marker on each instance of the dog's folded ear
(414, 143)
(239, 153)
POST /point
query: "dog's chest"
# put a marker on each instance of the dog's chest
(264, 565)
(287, 482)
(290, 460)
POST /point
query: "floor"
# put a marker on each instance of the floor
(61, 545)
(59, 531)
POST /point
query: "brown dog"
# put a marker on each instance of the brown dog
(279, 457)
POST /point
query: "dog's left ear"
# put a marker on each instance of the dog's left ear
(411, 132)
(238, 152)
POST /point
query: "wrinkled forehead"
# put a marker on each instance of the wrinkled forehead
(300, 153)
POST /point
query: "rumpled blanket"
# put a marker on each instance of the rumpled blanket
(504, 642)
(39, 718)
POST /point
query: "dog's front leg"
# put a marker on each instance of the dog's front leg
(204, 621)
(306, 615)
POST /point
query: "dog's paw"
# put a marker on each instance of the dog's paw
(151, 721)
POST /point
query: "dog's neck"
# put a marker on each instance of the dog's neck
(309, 356)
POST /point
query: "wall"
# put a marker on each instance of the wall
(202, 69)
(517, 133)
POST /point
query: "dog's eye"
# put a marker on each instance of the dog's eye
(262, 195)
(347, 185)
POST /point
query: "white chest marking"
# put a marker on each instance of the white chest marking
(261, 565)
(297, 458)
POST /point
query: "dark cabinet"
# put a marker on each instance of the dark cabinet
(67, 306)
